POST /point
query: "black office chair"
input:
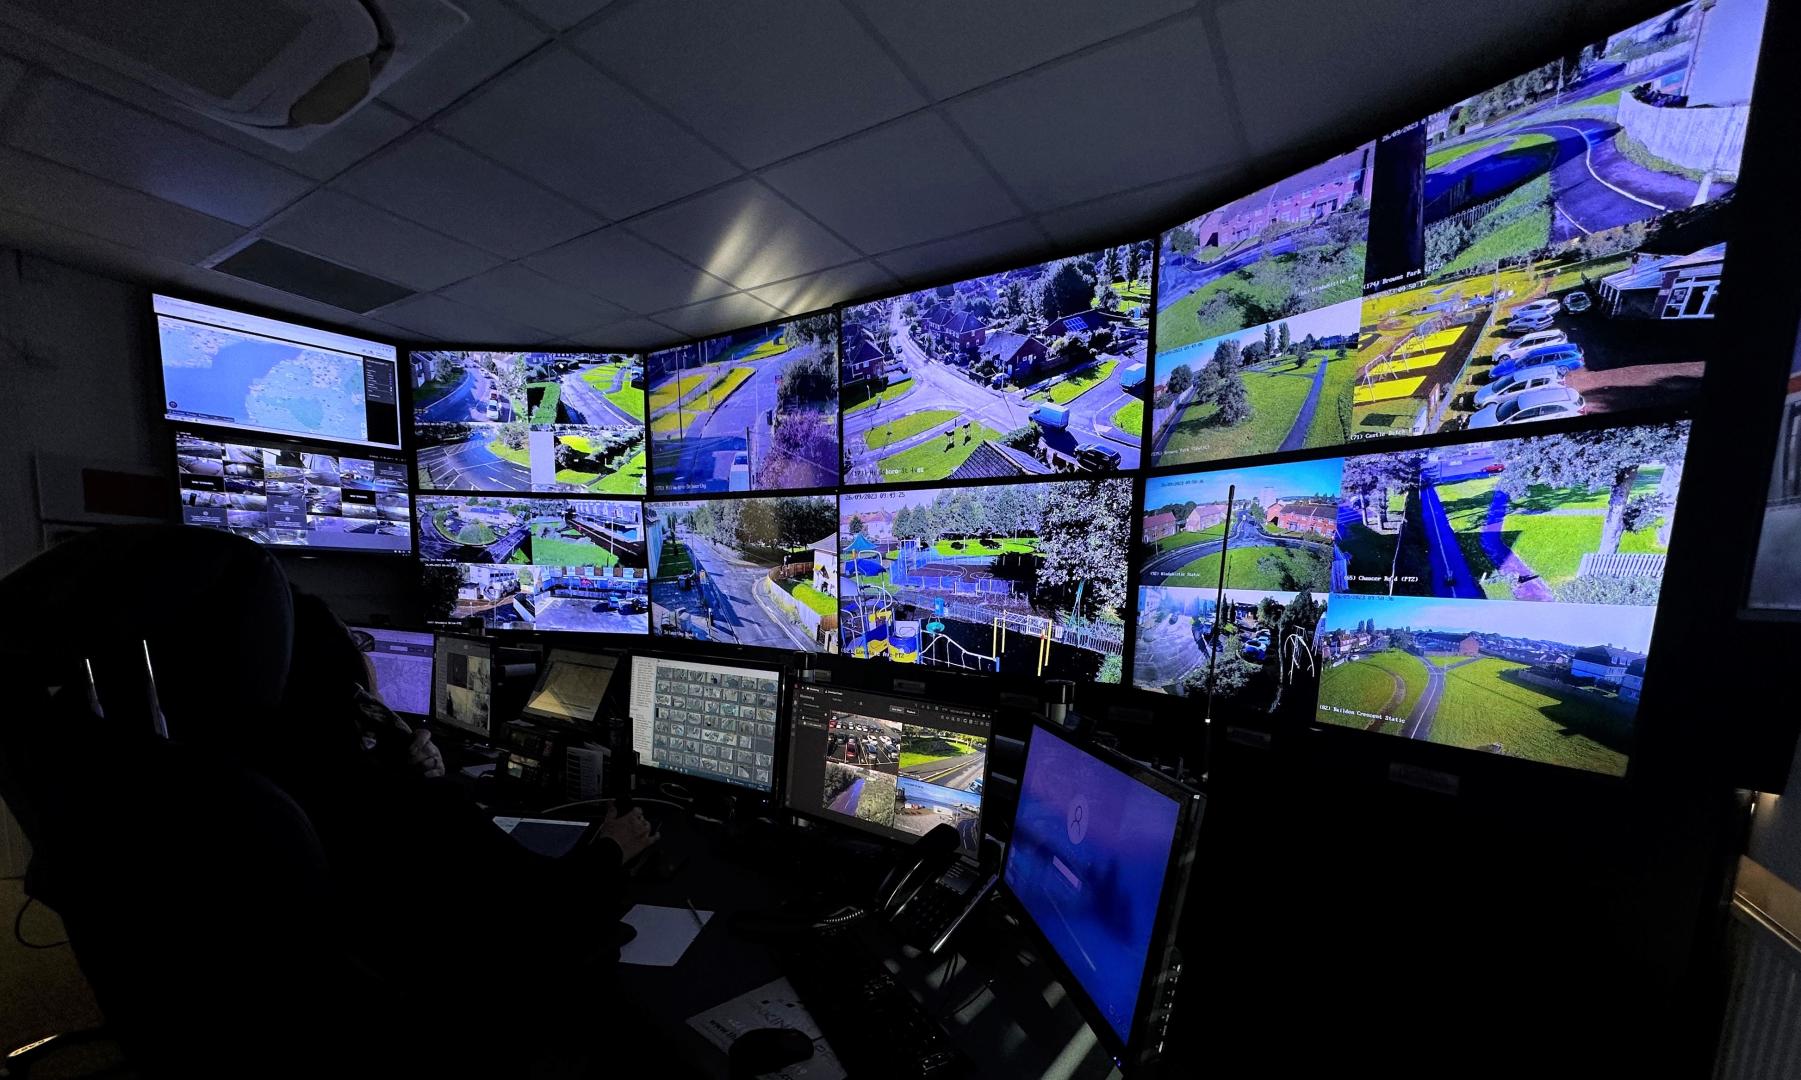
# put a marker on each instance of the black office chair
(195, 894)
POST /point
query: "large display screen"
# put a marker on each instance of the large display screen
(286, 496)
(1494, 596)
(1020, 373)
(1549, 248)
(758, 571)
(753, 410)
(533, 563)
(1088, 859)
(1024, 579)
(529, 421)
(231, 369)
(890, 765)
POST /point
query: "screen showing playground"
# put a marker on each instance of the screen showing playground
(288, 496)
(1494, 596)
(1013, 578)
(571, 423)
(230, 369)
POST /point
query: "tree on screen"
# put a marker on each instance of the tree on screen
(1135, 261)
(856, 526)
(1283, 341)
(1181, 240)
(1181, 377)
(816, 330)
(1067, 291)
(1083, 537)
(1596, 461)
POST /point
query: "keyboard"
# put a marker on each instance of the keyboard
(928, 920)
(871, 1021)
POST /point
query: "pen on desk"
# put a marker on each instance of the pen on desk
(697, 923)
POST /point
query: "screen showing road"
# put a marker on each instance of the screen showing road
(757, 571)
(287, 496)
(529, 421)
(401, 661)
(896, 766)
(521, 562)
(1087, 861)
(1011, 578)
(753, 410)
(1023, 373)
(714, 721)
(231, 369)
(1548, 248)
(1495, 596)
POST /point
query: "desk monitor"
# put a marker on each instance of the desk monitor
(570, 689)
(1099, 861)
(713, 721)
(463, 692)
(401, 664)
(887, 764)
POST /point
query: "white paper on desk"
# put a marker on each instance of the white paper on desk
(772, 1005)
(664, 934)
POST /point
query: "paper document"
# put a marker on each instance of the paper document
(664, 934)
(773, 1005)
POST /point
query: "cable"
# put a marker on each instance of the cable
(19, 928)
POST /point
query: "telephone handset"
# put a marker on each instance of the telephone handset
(931, 890)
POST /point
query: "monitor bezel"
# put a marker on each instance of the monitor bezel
(1131, 1051)
(661, 776)
(877, 832)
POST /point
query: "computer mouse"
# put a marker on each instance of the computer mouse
(764, 1050)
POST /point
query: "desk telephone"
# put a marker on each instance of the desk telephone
(931, 890)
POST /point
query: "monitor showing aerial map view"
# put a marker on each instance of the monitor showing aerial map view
(231, 369)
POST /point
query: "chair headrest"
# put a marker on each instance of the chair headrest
(214, 608)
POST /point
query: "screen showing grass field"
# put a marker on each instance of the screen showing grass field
(891, 765)
(1025, 579)
(571, 423)
(760, 571)
(231, 369)
(1496, 596)
(1018, 374)
(1548, 248)
(752, 410)
(283, 495)
(522, 562)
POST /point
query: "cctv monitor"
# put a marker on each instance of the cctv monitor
(1098, 861)
(706, 720)
(231, 369)
(463, 687)
(302, 497)
(887, 764)
(571, 687)
(401, 663)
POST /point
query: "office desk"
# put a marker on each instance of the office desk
(1005, 1010)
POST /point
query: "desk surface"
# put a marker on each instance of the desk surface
(1011, 1017)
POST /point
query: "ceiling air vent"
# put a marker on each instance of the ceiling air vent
(280, 267)
(282, 70)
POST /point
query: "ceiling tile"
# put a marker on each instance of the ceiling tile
(562, 14)
(761, 79)
(59, 120)
(436, 317)
(1015, 243)
(533, 299)
(815, 291)
(435, 182)
(744, 234)
(1111, 119)
(617, 266)
(349, 141)
(338, 227)
(719, 315)
(74, 200)
(954, 45)
(11, 71)
(627, 334)
(492, 38)
(1133, 215)
(558, 120)
(915, 181)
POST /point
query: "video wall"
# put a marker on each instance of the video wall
(1307, 383)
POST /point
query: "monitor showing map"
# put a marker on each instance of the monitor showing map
(235, 370)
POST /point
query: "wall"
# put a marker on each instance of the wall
(1695, 138)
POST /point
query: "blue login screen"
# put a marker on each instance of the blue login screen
(1089, 852)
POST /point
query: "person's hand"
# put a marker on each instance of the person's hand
(423, 754)
(632, 832)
